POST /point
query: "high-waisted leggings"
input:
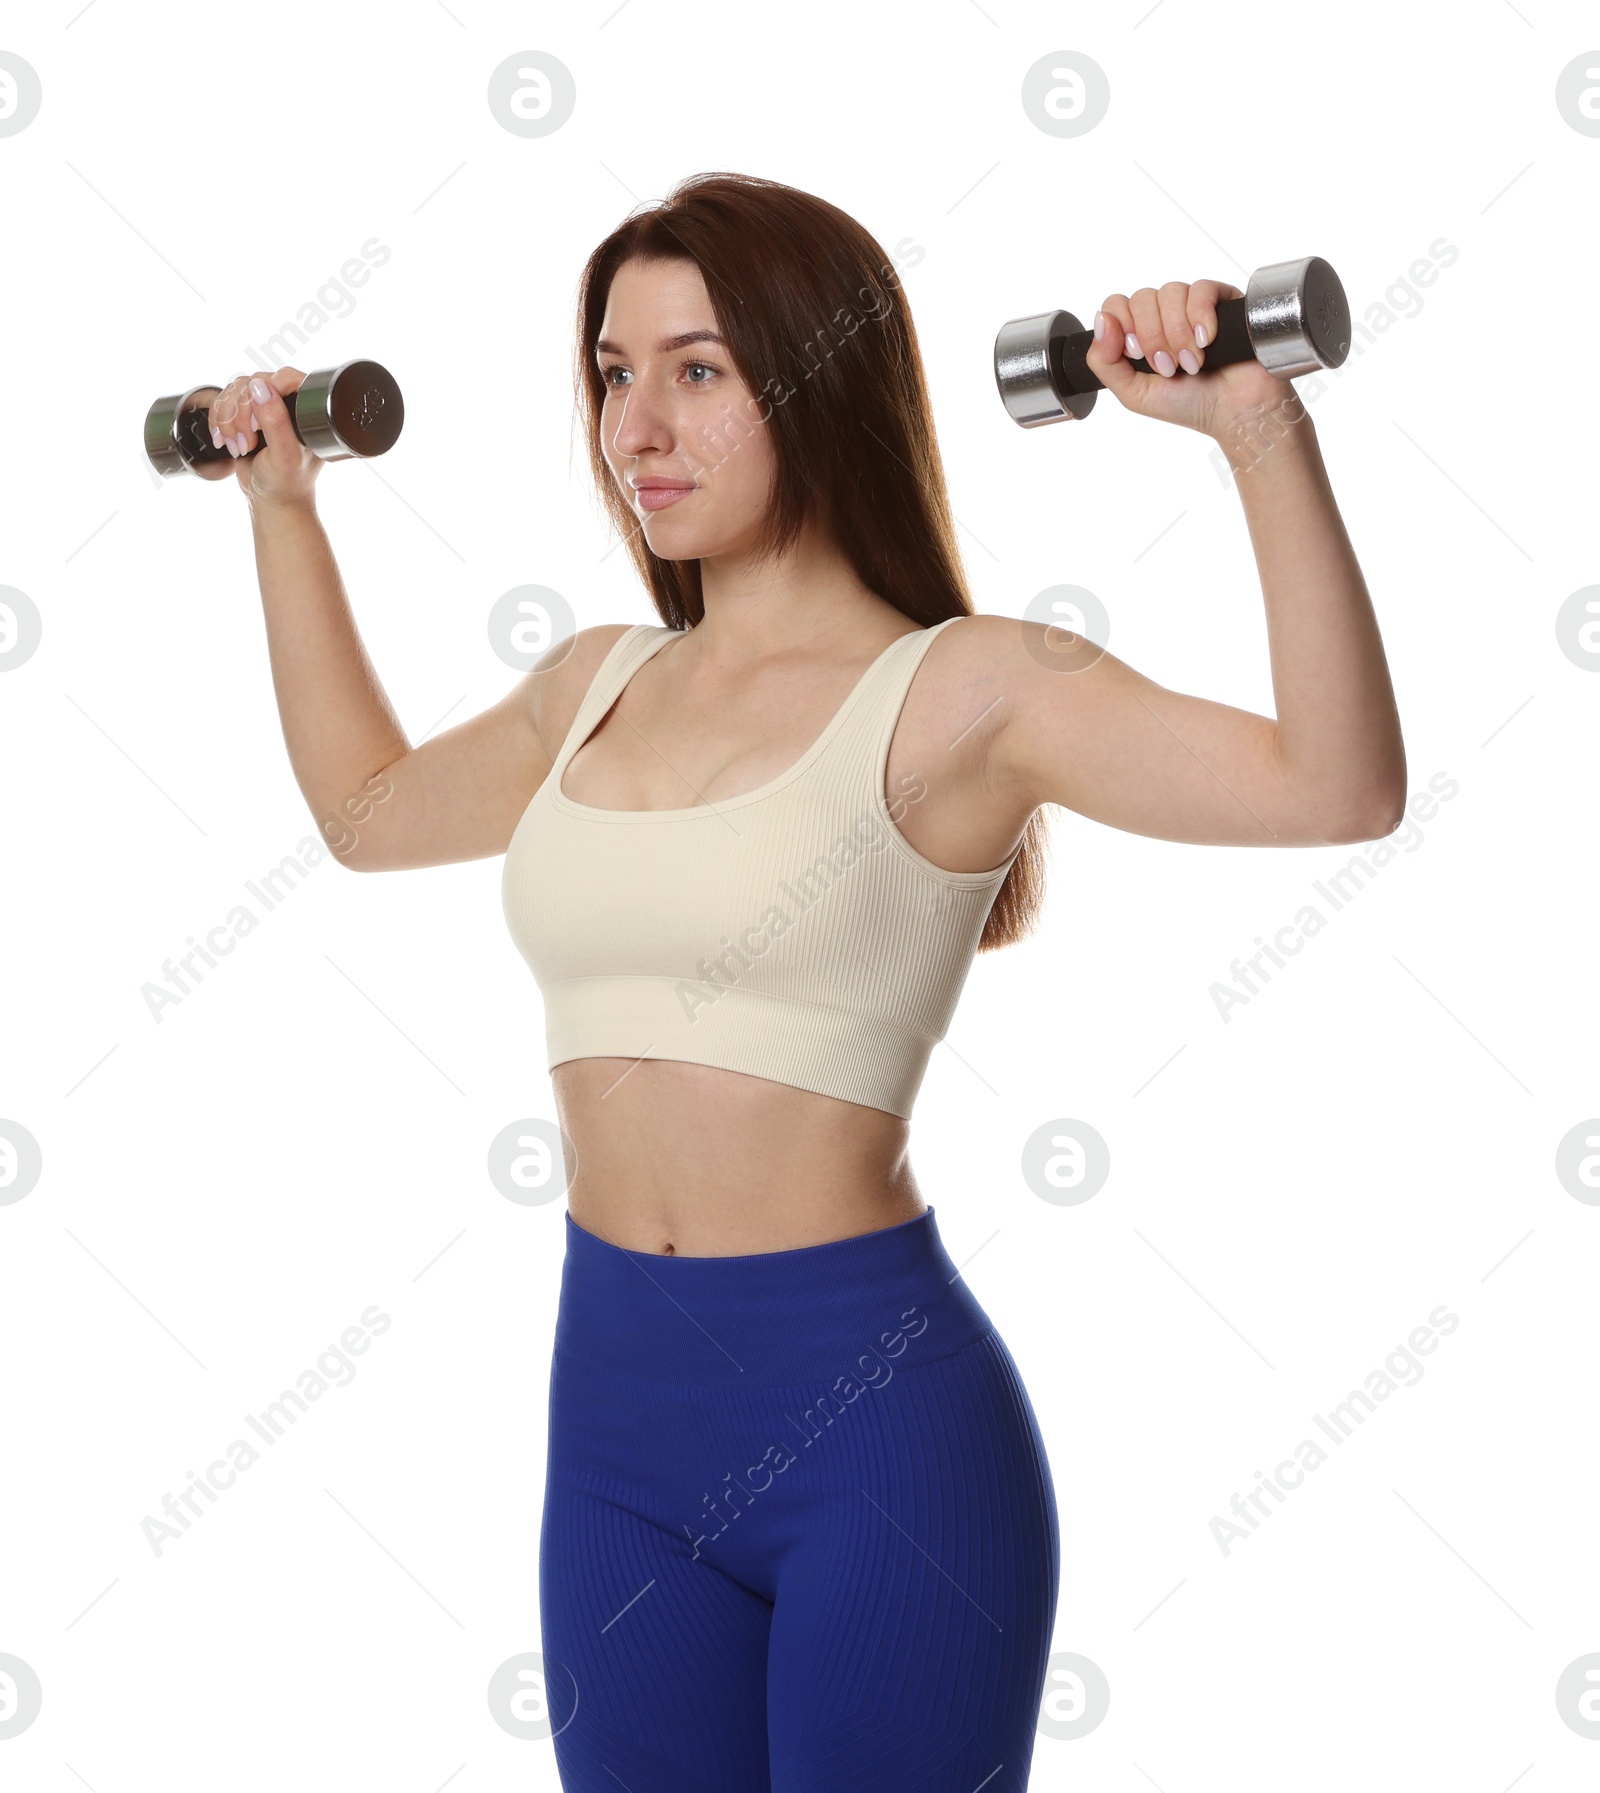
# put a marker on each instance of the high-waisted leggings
(800, 1531)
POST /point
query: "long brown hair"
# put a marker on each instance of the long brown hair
(818, 327)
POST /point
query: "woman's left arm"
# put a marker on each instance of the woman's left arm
(1083, 729)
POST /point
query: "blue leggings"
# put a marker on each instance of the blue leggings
(799, 1526)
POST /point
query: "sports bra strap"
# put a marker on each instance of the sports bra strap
(615, 669)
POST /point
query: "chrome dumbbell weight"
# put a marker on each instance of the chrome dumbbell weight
(1293, 318)
(340, 413)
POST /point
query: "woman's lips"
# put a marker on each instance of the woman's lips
(657, 498)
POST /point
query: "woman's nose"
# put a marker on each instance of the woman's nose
(641, 428)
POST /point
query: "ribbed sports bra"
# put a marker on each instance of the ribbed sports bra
(791, 932)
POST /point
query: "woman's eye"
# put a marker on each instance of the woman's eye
(688, 366)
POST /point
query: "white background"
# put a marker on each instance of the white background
(1292, 1190)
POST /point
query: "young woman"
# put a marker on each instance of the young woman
(799, 1525)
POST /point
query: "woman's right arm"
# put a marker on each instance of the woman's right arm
(381, 804)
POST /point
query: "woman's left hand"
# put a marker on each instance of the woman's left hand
(1170, 327)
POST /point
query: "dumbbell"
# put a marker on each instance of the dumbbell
(340, 413)
(1293, 318)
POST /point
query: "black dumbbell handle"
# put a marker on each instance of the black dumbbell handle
(1073, 374)
(197, 433)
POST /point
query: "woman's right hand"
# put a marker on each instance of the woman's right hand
(285, 471)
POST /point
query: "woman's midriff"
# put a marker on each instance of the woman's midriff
(690, 1159)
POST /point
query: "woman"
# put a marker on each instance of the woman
(799, 1525)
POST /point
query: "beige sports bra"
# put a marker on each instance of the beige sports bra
(791, 933)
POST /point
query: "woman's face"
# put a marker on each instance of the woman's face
(677, 411)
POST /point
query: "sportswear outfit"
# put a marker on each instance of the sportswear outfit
(799, 1528)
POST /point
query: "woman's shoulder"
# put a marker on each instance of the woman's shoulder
(978, 667)
(562, 677)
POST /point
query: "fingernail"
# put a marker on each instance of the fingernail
(216, 438)
(1099, 325)
(244, 443)
(1189, 362)
(1200, 335)
(253, 424)
(1165, 366)
(260, 391)
(1135, 353)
